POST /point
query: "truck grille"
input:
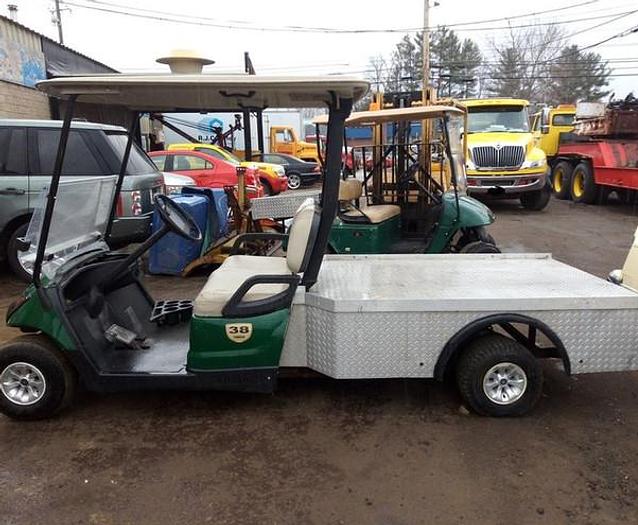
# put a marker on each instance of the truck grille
(508, 157)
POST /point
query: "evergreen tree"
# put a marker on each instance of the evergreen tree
(508, 75)
(577, 76)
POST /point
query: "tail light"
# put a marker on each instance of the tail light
(317, 168)
(119, 207)
(136, 203)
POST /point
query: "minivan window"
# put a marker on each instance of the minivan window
(13, 151)
(138, 163)
(78, 158)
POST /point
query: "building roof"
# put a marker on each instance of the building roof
(50, 40)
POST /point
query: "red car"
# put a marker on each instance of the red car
(207, 171)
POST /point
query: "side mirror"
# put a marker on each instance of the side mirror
(545, 129)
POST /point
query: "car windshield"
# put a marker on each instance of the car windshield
(493, 119)
(78, 223)
(138, 162)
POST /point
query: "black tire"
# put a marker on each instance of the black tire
(294, 181)
(13, 252)
(562, 179)
(469, 235)
(536, 200)
(481, 356)
(60, 378)
(480, 247)
(583, 187)
(267, 188)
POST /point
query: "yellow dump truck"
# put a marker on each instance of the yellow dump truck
(548, 125)
(503, 160)
(284, 139)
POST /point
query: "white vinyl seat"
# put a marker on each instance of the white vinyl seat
(236, 269)
(350, 191)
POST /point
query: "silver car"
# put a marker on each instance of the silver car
(27, 154)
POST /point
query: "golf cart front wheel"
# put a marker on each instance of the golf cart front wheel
(498, 376)
(36, 381)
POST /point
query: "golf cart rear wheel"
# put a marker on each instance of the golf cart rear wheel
(562, 179)
(498, 376)
(536, 200)
(36, 380)
(294, 181)
(480, 247)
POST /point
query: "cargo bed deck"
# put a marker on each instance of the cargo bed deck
(392, 315)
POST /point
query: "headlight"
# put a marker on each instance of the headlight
(534, 163)
(170, 190)
(469, 165)
(280, 171)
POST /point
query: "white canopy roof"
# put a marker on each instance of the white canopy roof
(170, 92)
(371, 118)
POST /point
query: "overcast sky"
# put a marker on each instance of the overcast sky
(132, 44)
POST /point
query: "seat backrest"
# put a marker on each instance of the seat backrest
(350, 190)
(302, 235)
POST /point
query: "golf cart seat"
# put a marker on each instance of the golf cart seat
(236, 269)
(350, 192)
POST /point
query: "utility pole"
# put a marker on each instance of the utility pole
(426, 51)
(58, 21)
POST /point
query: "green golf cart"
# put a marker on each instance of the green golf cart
(414, 202)
(87, 316)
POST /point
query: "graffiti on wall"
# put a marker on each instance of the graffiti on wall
(20, 64)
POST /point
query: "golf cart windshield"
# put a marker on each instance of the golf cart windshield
(455, 135)
(79, 221)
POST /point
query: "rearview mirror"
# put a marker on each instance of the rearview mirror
(545, 129)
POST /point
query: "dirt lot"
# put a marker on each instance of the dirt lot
(321, 451)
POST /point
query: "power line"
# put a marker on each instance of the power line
(624, 33)
(181, 19)
(325, 29)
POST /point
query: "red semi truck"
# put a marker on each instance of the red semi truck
(600, 155)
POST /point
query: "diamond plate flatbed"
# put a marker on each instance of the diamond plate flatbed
(282, 206)
(373, 316)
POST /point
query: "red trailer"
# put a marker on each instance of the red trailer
(600, 156)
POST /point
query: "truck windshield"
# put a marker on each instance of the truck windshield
(138, 163)
(494, 119)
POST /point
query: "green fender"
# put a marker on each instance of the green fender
(29, 313)
(471, 214)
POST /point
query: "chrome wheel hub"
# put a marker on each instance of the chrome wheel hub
(22, 383)
(505, 383)
(294, 181)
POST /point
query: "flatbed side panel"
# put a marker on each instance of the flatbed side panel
(359, 345)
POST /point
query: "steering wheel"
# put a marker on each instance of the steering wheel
(177, 220)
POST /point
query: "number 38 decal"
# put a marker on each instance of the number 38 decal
(239, 332)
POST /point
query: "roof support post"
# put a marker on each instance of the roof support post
(53, 190)
(132, 132)
(339, 111)
(248, 140)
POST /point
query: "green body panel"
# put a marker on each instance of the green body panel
(32, 315)
(211, 349)
(349, 238)
(471, 214)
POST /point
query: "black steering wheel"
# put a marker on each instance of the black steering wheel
(177, 220)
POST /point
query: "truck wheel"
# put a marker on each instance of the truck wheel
(562, 179)
(584, 188)
(498, 376)
(536, 200)
(36, 381)
(294, 181)
(480, 247)
(24, 274)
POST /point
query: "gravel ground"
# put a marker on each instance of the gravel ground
(322, 451)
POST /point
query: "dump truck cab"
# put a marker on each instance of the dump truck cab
(549, 123)
(503, 159)
(284, 139)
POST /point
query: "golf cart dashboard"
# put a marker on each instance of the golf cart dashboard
(88, 273)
